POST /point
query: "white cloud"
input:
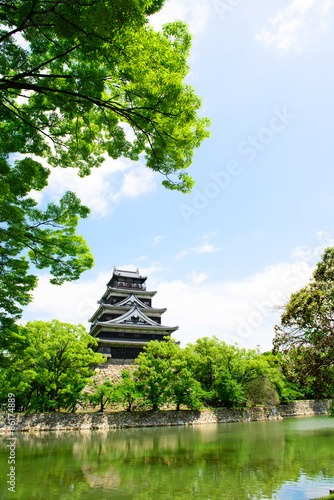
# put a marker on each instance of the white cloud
(194, 13)
(103, 188)
(135, 183)
(71, 303)
(157, 240)
(242, 311)
(204, 247)
(141, 258)
(150, 270)
(324, 240)
(196, 278)
(294, 25)
(206, 236)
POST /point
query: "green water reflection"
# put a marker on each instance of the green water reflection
(289, 459)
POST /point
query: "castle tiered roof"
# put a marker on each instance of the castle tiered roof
(125, 319)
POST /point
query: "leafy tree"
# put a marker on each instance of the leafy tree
(75, 76)
(263, 380)
(215, 367)
(47, 237)
(184, 389)
(229, 391)
(12, 339)
(53, 369)
(204, 357)
(164, 376)
(88, 67)
(305, 334)
(287, 390)
(331, 410)
(102, 394)
(229, 375)
(127, 390)
(153, 374)
(305, 373)
(261, 391)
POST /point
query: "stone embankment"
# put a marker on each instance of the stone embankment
(112, 369)
(110, 421)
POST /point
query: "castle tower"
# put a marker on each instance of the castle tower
(125, 319)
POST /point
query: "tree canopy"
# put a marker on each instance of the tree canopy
(75, 77)
(85, 69)
(51, 372)
(52, 369)
(46, 238)
(233, 376)
(164, 376)
(305, 334)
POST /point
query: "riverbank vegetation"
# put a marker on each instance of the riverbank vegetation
(208, 373)
(49, 369)
(52, 372)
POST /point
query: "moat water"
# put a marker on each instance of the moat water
(287, 459)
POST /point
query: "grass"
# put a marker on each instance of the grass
(330, 497)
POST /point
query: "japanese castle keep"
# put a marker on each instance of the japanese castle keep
(125, 319)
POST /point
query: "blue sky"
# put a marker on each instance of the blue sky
(226, 256)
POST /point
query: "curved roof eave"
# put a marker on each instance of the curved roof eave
(127, 291)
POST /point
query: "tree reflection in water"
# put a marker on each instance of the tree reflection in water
(252, 460)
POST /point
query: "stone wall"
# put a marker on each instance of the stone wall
(110, 421)
(311, 407)
(111, 370)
